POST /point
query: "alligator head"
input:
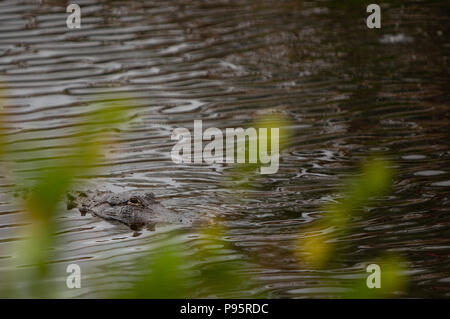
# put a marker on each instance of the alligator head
(134, 209)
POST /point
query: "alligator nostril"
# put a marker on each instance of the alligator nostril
(83, 211)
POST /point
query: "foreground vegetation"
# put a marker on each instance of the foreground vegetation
(168, 275)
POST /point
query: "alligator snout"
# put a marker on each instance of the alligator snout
(137, 210)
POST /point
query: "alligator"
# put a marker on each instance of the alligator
(137, 210)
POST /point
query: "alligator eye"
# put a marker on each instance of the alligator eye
(134, 201)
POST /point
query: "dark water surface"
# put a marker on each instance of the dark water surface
(349, 91)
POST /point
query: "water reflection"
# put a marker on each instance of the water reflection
(347, 91)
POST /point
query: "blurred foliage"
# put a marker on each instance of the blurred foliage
(177, 272)
(318, 247)
(43, 189)
(322, 244)
(2, 125)
(168, 273)
(245, 175)
(166, 277)
(392, 277)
